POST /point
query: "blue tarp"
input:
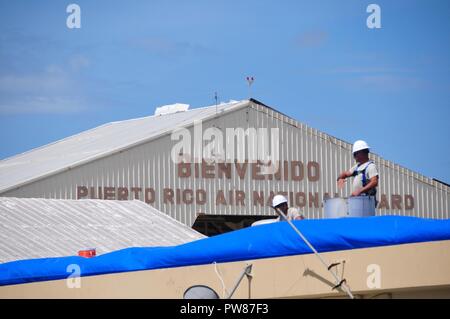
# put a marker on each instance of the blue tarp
(270, 240)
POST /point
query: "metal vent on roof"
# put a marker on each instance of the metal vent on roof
(171, 108)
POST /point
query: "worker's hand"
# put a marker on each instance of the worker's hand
(341, 183)
(356, 193)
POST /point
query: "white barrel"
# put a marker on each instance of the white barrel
(361, 206)
(335, 208)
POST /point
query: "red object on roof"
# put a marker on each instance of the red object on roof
(87, 253)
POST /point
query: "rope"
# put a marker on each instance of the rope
(224, 288)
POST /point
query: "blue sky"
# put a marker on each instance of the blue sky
(314, 60)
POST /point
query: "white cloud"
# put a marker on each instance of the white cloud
(391, 82)
(42, 105)
(386, 78)
(27, 83)
(79, 62)
(369, 70)
(163, 46)
(312, 39)
(55, 90)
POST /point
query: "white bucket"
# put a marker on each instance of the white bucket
(358, 206)
(335, 207)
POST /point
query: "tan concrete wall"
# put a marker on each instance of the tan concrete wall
(411, 270)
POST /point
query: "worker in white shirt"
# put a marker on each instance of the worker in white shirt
(365, 172)
(280, 202)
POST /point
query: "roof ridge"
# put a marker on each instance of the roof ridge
(100, 126)
(189, 110)
(54, 142)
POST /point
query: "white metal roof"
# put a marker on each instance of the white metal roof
(95, 143)
(35, 228)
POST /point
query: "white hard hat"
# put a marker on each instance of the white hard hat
(359, 146)
(278, 199)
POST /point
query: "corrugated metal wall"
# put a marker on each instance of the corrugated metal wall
(149, 166)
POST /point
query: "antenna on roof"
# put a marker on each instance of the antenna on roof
(250, 80)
